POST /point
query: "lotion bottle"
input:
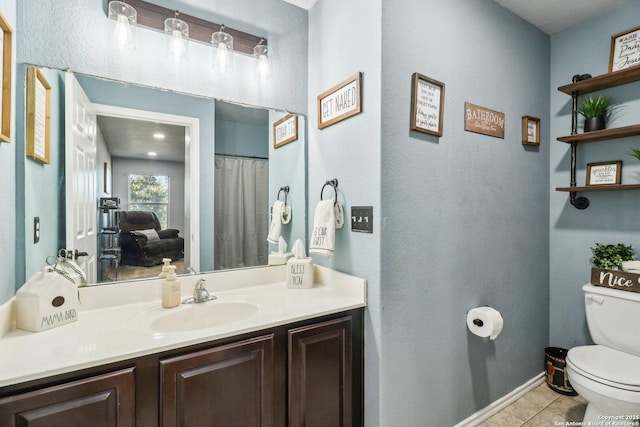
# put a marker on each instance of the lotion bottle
(171, 289)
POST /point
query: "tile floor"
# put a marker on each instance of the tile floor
(540, 407)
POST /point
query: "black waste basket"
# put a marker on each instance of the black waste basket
(555, 367)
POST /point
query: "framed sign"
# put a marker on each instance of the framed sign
(530, 130)
(604, 173)
(483, 120)
(5, 69)
(340, 102)
(38, 115)
(427, 105)
(285, 130)
(625, 50)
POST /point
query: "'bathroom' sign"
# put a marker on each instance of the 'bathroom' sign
(483, 120)
(615, 279)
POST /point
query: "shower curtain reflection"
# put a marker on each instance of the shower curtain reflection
(241, 212)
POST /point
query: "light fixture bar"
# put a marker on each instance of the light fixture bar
(153, 16)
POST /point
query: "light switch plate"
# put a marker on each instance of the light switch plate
(36, 229)
(362, 219)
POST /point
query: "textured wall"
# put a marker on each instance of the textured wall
(76, 36)
(465, 216)
(612, 217)
(344, 38)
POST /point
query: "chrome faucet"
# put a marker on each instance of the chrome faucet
(200, 294)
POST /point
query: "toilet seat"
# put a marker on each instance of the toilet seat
(606, 366)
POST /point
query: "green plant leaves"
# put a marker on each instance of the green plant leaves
(610, 256)
(596, 107)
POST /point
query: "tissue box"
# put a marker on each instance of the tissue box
(47, 300)
(278, 258)
(299, 273)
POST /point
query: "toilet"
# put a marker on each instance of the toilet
(607, 374)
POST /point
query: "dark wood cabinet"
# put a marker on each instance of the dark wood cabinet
(308, 373)
(229, 385)
(320, 375)
(99, 401)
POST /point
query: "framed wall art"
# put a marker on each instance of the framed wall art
(340, 102)
(604, 173)
(427, 105)
(38, 115)
(285, 130)
(5, 69)
(625, 50)
(530, 130)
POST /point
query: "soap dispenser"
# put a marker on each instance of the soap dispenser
(171, 289)
(299, 268)
(165, 267)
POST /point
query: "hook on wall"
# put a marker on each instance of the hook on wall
(334, 184)
(286, 192)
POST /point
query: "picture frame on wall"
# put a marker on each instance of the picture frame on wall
(427, 105)
(342, 101)
(285, 130)
(604, 173)
(530, 130)
(625, 50)
(38, 120)
(6, 69)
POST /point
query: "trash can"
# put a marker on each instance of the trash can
(556, 373)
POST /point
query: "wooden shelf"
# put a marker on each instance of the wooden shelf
(603, 81)
(609, 187)
(602, 135)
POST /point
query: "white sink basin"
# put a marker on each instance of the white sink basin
(191, 317)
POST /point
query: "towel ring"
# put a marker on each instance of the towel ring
(334, 184)
(286, 191)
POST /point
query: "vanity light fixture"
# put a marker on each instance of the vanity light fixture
(262, 52)
(122, 25)
(223, 51)
(177, 32)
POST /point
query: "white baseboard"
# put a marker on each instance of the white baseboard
(495, 407)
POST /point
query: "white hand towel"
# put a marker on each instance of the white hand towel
(276, 222)
(323, 237)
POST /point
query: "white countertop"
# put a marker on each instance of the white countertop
(114, 321)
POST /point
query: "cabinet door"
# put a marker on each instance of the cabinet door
(229, 385)
(100, 401)
(320, 372)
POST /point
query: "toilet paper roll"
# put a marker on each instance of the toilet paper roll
(485, 322)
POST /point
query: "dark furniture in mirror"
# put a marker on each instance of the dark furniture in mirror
(142, 241)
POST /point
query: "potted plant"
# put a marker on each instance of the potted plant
(635, 153)
(596, 112)
(610, 257)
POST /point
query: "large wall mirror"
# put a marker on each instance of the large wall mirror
(138, 174)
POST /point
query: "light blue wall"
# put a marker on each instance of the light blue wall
(464, 216)
(294, 174)
(344, 38)
(43, 184)
(8, 155)
(612, 217)
(241, 139)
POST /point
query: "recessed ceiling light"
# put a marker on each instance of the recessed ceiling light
(158, 135)
(152, 153)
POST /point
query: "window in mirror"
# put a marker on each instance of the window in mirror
(150, 193)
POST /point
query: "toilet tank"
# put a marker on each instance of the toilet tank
(613, 317)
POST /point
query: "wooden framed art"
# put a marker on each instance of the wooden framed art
(530, 130)
(285, 130)
(625, 50)
(6, 69)
(340, 102)
(38, 115)
(427, 105)
(604, 173)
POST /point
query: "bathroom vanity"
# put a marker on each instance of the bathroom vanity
(285, 357)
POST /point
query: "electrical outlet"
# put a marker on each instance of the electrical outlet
(36, 229)
(362, 219)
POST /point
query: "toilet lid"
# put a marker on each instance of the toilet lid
(606, 365)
